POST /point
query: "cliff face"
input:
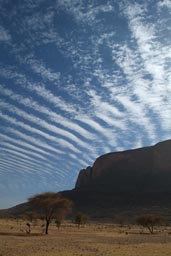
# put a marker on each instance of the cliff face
(144, 168)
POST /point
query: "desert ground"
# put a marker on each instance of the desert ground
(91, 239)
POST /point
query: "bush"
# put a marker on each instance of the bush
(149, 221)
(80, 219)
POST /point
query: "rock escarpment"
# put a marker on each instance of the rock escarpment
(147, 168)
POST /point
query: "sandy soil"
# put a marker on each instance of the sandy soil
(94, 239)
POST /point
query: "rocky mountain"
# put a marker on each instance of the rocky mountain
(147, 168)
(123, 182)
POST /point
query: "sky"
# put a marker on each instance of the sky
(78, 79)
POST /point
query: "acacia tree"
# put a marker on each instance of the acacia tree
(149, 221)
(80, 219)
(48, 205)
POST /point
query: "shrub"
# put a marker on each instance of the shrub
(149, 221)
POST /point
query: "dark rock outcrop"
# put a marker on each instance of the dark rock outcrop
(84, 177)
(127, 181)
(143, 169)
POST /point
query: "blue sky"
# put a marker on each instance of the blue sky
(78, 79)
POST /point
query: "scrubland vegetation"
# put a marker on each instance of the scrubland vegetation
(102, 239)
(44, 230)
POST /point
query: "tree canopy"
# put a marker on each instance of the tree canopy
(49, 205)
(80, 219)
(149, 221)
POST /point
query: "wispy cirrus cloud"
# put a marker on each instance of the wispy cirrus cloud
(41, 69)
(21, 143)
(35, 141)
(53, 116)
(165, 3)
(77, 9)
(145, 67)
(4, 35)
(40, 122)
(33, 130)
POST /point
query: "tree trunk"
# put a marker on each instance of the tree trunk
(151, 229)
(47, 226)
